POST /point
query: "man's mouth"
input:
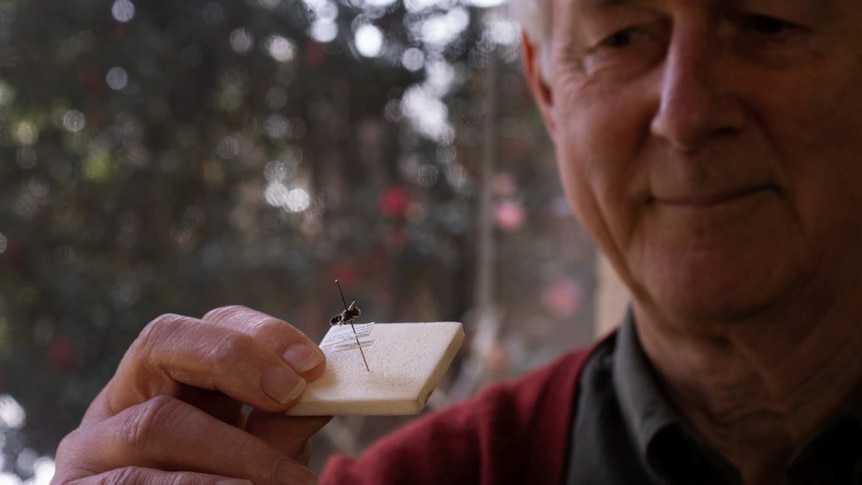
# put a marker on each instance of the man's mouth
(711, 199)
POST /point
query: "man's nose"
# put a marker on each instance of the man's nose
(697, 99)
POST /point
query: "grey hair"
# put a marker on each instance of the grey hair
(535, 18)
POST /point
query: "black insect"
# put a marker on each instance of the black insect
(347, 315)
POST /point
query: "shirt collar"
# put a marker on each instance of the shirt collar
(667, 444)
(644, 408)
(670, 446)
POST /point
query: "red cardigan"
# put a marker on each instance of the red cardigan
(510, 433)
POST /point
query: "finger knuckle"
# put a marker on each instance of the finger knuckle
(234, 347)
(67, 444)
(245, 448)
(135, 475)
(69, 459)
(251, 322)
(126, 476)
(224, 313)
(270, 328)
(158, 331)
(140, 427)
(185, 478)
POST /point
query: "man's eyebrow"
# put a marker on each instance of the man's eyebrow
(601, 4)
(606, 4)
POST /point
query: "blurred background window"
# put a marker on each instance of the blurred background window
(174, 157)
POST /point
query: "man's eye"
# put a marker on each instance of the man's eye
(623, 38)
(625, 52)
(764, 24)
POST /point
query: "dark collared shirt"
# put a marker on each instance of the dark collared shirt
(627, 432)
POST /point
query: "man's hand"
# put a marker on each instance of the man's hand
(173, 411)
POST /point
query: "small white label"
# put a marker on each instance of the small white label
(344, 337)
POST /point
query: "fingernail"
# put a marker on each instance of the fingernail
(302, 357)
(281, 384)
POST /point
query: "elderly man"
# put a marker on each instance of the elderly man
(712, 148)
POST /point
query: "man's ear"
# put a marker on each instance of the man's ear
(533, 67)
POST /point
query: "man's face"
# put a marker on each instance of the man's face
(713, 148)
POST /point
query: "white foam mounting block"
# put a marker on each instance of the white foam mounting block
(406, 361)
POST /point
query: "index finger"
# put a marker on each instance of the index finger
(175, 351)
(283, 338)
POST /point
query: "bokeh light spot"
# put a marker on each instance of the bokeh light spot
(228, 147)
(369, 40)
(440, 30)
(9, 479)
(26, 133)
(298, 200)
(117, 78)
(11, 413)
(74, 121)
(564, 298)
(43, 471)
(275, 171)
(509, 215)
(377, 3)
(123, 11)
(413, 59)
(484, 3)
(276, 127)
(327, 11)
(6, 94)
(241, 41)
(26, 459)
(416, 6)
(323, 31)
(427, 114)
(502, 31)
(292, 200)
(281, 48)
